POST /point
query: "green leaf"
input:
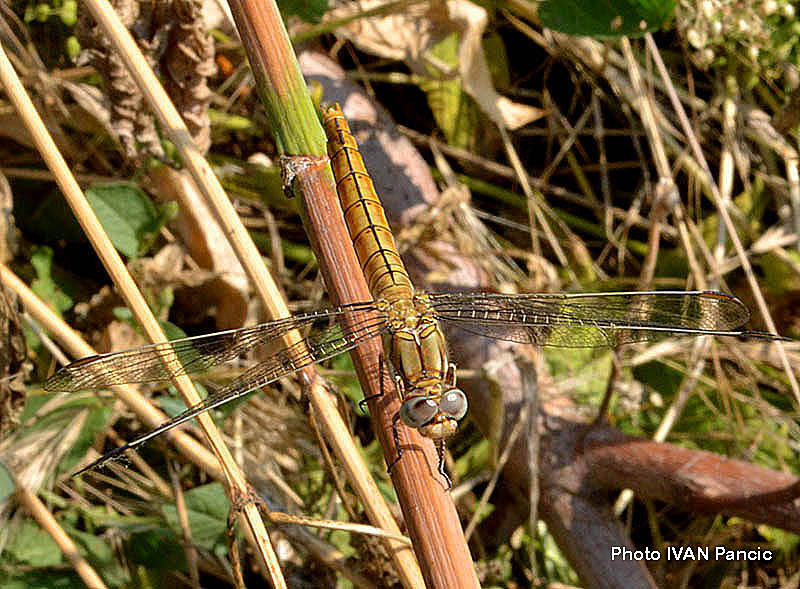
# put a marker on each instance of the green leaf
(43, 580)
(7, 484)
(665, 380)
(95, 422)
(125, 315)
(157, 549)
(455, 111)
(207, 508)
(310, 11)
(128, 215)
(44, 285)
(348, 384)
(476, 459)
(32, 546)
(605, 18)
(780, 271)
(587, 368)
(782, 540)
(97, 550)
(495, 49)
(62, 415)
(95, 547)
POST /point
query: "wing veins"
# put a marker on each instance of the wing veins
(305, 352)
(158, 362)
(589, 320)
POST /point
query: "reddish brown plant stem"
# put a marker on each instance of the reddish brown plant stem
(430, 515)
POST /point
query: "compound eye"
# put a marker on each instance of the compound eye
(454, 404)
(417, 412)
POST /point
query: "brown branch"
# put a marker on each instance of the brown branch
(430, 515)
(693, 479)
(298, 133)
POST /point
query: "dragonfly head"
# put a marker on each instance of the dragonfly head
(436, 416)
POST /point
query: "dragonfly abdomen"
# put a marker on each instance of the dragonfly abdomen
(375, 247)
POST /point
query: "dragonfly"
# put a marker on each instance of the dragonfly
(409, 323)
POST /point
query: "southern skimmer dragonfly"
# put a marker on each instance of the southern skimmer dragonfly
(409, 323)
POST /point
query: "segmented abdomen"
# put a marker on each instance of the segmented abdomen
(372, 238)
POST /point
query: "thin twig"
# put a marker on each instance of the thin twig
(723, 213)
(183, 520)
(49, 524)
(119, 273)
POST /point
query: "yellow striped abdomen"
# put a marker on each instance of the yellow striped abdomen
(372, 238)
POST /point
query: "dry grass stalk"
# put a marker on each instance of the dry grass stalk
(184, 443)
(723, 211)
(240, 240)
(49, 524)
(127, 287)
(78, 348)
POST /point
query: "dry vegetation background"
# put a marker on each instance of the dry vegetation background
(511, 157)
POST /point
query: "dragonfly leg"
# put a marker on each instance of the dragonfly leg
(451, 375)
(440, 453)
(396, 436)
(362, 404)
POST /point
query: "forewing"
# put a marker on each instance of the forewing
(315, 348)
(183, 356)
(592, 320)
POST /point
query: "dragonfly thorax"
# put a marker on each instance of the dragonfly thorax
(418, 354)
(426, 379)
(407, 313)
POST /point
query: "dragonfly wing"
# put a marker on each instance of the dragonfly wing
(538, 335)
(315, 348)
(183, 356)
(593, 320)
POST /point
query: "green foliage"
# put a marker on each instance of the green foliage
(497, 57)
(553, 564)
(43, 579)
(606, 19)
(65, 10)
(587, 369)
(760, 39)
(96, 422)
(173, 404)
(61, 415)
(455, 111)
(171, 330)
(73, 47)
(7, 484)
(207, 508)
(310, 11)
(54, 20)
(785, 542)
(44, 285)
(729, 422)
(477, 458)
(780, 271)
(33, 546)
(348, 385)
(130, 218)
(157, 549)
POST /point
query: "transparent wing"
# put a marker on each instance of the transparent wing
(188, 355)
(315, 348)
(592, 320)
